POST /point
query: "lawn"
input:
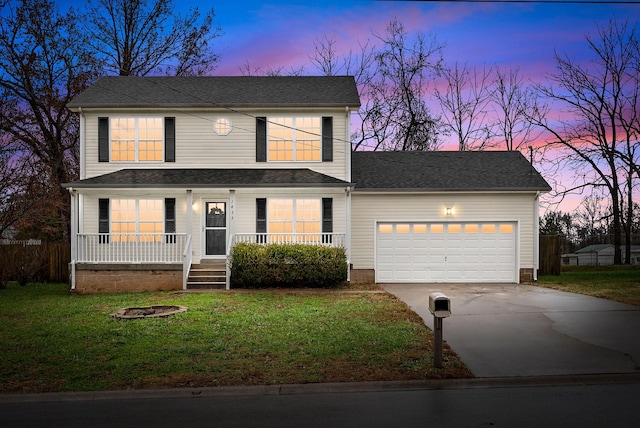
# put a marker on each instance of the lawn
(54, 340)
(619, 283)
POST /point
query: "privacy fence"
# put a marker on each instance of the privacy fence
(34, 261)
(550, 249)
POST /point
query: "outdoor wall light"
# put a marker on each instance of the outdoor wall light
(448, 211)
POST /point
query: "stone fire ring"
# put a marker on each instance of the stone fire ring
(155, 311)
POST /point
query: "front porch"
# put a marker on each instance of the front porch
(153, 261)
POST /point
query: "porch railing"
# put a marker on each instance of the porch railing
(326, 239)
(186, 262)
(131, 247)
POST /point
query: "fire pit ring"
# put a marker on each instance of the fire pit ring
(154, 311)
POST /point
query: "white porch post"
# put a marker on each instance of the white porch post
(189, 212)
(347, 232)
(74, 237)
(231, 233)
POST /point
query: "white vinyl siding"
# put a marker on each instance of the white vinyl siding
(371, 209)
(199, 146)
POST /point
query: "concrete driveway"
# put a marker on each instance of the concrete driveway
(519, 330)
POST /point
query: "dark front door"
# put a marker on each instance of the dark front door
(215, 228)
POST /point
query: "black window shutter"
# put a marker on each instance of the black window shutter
(327, 139)
(169, 139)
(261, 220)
(103, 220)
(261, 139)
(170, 219)
(327, 220)
(103, 139)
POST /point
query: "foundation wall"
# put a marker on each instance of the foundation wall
(92, 278)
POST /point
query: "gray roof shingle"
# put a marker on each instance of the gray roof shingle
(218, 91)
(209, 178)
(445, 171)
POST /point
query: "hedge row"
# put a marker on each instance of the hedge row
(287, 265)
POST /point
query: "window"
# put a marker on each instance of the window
(488, 228)
(506, 228)
(454, 228)
(292, 139)
(300, 216)
(385, 228)
(402, 228)
(419, 228)
(222, 126)
(136, 216)
(136, 139)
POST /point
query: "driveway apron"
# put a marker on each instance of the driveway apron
(520, 330)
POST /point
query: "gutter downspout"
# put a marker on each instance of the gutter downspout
(536, 240)
(347, 234)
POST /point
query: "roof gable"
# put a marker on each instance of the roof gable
(445, 171)
(216, 91)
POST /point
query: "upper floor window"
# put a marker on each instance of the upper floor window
(294, 139)
(136, 139)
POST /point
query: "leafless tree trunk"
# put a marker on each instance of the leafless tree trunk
(598, 141)
(513, 105)
(43, 66)
(465, 104)
(139, 38)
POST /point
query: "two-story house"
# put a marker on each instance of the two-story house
(174, 171)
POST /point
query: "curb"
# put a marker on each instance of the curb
(326, 388)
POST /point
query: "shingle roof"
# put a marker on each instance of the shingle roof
(217, 91)
(445, 171)
(209, 178)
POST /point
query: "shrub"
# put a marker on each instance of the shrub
(287, 265)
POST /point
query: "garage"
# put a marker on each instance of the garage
(446, 252)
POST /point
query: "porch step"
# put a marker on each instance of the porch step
(207, 275)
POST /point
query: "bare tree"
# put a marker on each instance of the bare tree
(465, 104)
(43, 66)
(395, 114)
(600, 100)
(139, 38)
(513, 104)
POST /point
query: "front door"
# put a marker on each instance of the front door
(215, 229)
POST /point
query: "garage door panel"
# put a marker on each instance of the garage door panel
(441, 252)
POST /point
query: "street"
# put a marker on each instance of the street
(507, 405)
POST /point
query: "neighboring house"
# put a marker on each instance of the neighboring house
(599, 254)
(175, 171)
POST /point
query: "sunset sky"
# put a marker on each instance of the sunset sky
(277, 34)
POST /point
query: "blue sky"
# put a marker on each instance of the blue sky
(274, 33)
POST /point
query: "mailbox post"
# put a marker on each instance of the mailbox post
(440, 307)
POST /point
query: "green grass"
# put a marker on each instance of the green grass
(53, 340)
(619, 283)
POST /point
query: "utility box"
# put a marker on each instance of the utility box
(439, 305)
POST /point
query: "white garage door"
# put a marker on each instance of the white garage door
(446, 252)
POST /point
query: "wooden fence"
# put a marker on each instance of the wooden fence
(41, 262)
(550, 254)
(59, 259)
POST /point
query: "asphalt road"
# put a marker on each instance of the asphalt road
(578, 403)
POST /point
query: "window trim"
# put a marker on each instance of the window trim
(317, 136)
(136, 118)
